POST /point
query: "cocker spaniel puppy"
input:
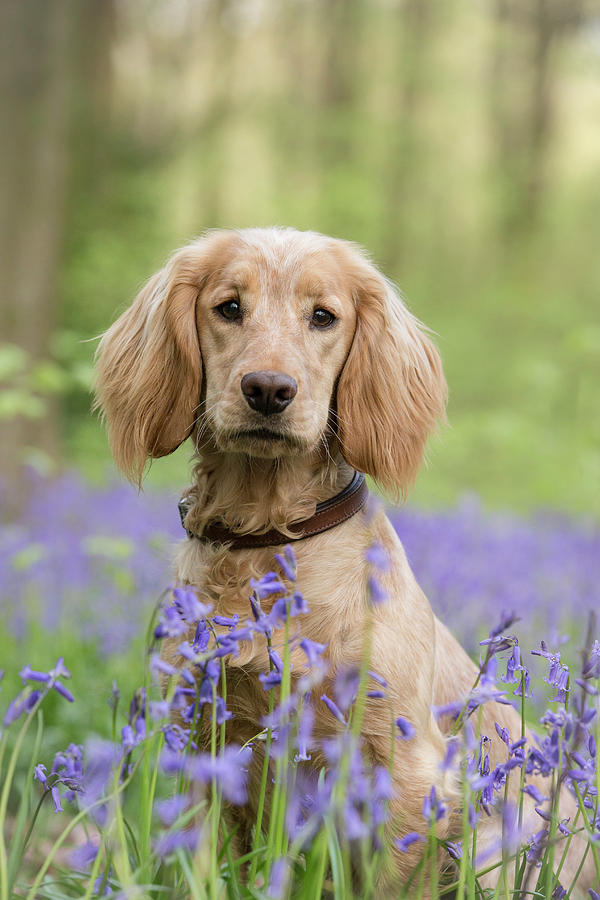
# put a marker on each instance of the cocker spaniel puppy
(293, 364)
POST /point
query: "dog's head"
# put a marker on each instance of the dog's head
(265, 340)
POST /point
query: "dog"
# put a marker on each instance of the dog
(292, 363)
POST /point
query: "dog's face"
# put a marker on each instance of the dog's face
(275, 324)
(268, 340)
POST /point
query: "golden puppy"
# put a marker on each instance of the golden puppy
(291, 362)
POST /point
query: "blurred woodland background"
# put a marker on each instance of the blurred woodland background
(458, 141)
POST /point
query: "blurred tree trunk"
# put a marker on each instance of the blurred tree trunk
(412, 45)
(43, 41)
(522, 88)
(341, 24)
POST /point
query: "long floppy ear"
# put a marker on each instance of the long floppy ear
(392, 391)
(149, 369)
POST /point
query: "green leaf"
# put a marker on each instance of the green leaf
(27, 557)
(13, 360)
(18, 402)
(104, 545)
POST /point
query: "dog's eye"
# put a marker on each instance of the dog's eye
(321, 318)
(231, 310)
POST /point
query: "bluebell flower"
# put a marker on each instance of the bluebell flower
(433, 807)
(29, 674)
(407, 729)
(267, 586)
(228, 769)
(381, 794)
(270, 679)
(221, 711)
(228, 621)
(378, 678)
(378, 556)
(158, 709)
(39, 774)
(160, 665)
(279, 877)
(56, 798)
(376, 592)
(451, 751)
(287, 562)
(83, 856)
(169, 810)
(305, 728)
(333, 709)
(407, 841)
(345, 686)
(591, 668)
(184, 838)
(189, 606)
(313, 651)
(170, 623)
(454, 850)
(299, 606)
(276, 659)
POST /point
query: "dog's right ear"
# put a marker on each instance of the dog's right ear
(149, 368)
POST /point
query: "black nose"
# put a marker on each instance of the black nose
(268, 392)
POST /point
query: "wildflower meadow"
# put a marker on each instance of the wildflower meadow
(117, 775)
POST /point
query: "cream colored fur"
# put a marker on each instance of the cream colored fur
(370, 391)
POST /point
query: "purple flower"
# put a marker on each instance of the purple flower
(345, 686)
(83, 856)
(287, 562)
(433, 808)
(270, 680)
(63, 691)
(184, 839)
(102, 759)
(168, 811)
(507, 620)
(158, 709)
(160, 665)
(56, 799)
(451, 750)
(299, 605)
(454, 849)
(229, 621)
(266, 586)
(228, 769)
(378, 556)
(39, 774)
(24, 702)
(591, 668)
(221, 711)
(381, 794)
(170, 624)
(535, 793)
(176, 737)
(276, 660)
(313, 651)
(407, 729)
(189, 606)
(278, 878)
(376, 592)
(378, 678)
(333, 709)
(29, 674)
(408, 840)
(305, 729)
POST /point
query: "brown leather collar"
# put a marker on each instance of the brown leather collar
(327, 515)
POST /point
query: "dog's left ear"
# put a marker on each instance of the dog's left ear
(392, 391)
